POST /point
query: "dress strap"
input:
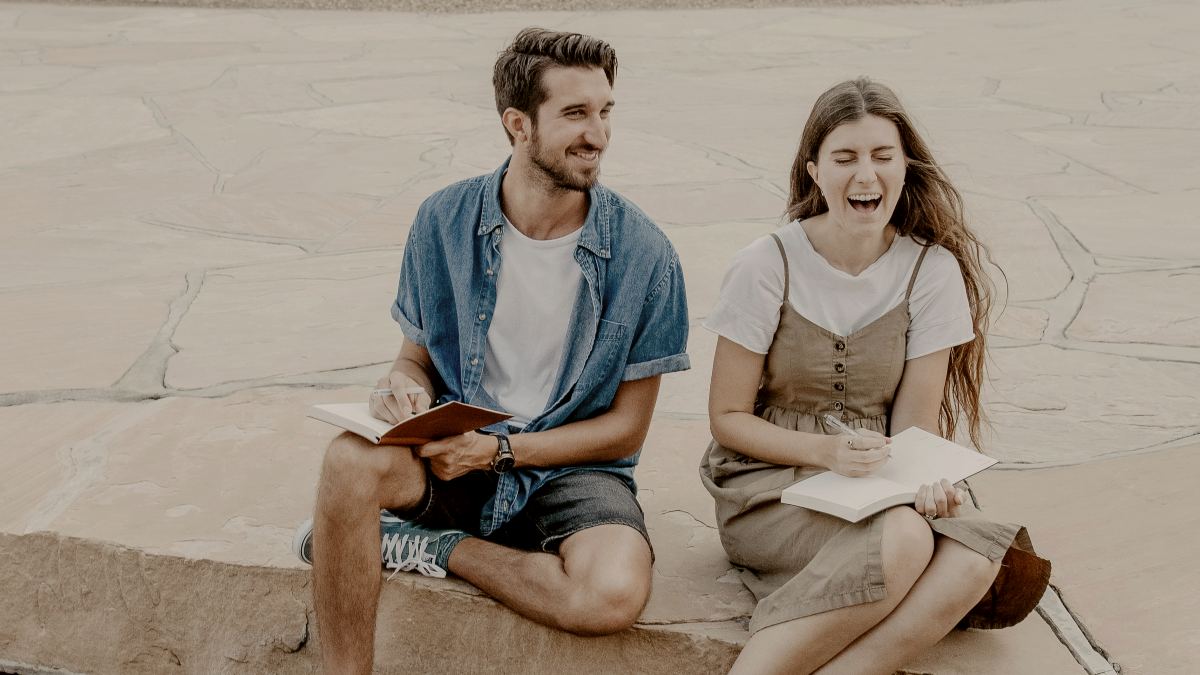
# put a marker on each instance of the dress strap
(779, 243)
(916, 268)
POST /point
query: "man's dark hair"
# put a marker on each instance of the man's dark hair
(517, 76)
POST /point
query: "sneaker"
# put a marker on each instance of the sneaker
(302, 542)
(407, 547)
(404, 546)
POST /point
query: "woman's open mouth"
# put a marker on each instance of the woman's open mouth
(866, 202)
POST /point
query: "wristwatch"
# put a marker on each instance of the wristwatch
(504, 460)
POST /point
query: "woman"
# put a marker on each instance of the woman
(870, 305)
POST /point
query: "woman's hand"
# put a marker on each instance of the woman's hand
(858, 455)
(939, 500)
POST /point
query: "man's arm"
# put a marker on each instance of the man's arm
(612, 435)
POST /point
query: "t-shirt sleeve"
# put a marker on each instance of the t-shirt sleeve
(751, 297)
(660, 339)
(406, 309)
(939, 310)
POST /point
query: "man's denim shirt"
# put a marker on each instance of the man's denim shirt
(629, 321)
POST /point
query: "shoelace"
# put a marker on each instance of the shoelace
(404, 553)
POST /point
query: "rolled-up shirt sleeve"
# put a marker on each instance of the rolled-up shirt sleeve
(406, 309)
(751, 297)
(660, 340)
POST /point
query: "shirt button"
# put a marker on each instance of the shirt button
(840, 386)
(475, 361)
(838, 405)
(840, 367)
(840, 346)
(482, 317)
(489, 272)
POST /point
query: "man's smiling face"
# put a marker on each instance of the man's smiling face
(571, 128)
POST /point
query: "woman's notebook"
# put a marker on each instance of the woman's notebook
(918, 457)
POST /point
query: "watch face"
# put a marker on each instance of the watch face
(503, 464)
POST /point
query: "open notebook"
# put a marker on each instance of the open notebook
(918, 457)
(448, 419)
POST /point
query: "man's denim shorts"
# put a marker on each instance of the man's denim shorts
(563, 506)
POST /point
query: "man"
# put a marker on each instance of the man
(540, 292)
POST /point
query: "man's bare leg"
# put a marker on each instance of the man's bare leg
(598, 584)
(357, 480)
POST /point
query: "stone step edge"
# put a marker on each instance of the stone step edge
(77, 605)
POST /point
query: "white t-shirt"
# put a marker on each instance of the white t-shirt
(535, 296)
(752, 293)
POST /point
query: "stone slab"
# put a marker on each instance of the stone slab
(700, 204)
(119, 321)
(1113, 226)
(1020, 323)
(301, 219)
(42, 127)
(1132, 156)
(100, 185)
(1050, 404)
(331, 163)
(1143, 307)
(1119, 535)
(240, 325)
(1031, 267)
(95, 250)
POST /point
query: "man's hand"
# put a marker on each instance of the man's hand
(859, 455)
(456, 456)
(406, 398)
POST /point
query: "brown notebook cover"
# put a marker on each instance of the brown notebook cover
(448, 419)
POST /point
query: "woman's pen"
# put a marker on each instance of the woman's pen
(839, 425)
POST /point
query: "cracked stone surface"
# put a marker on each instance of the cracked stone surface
(204, 215)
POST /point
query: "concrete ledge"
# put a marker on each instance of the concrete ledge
(85, 606)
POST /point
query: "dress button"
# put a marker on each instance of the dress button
(838, 405)
(840, 386)
(840, 346)
(840, 367)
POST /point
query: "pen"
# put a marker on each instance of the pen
(839, 425)
(409, 391)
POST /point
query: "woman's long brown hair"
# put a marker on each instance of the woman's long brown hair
(930, 209)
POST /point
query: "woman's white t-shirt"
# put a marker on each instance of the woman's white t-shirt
(752, 293)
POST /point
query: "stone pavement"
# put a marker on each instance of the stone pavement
(203, 213)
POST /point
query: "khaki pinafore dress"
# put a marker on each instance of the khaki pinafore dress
(799, 562)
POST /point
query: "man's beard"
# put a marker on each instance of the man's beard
(556, 172)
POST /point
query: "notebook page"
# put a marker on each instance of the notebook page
(919, 457)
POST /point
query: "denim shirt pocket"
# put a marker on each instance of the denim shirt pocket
(605, 349)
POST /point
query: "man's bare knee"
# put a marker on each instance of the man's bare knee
(606, 604)
(390, 476)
